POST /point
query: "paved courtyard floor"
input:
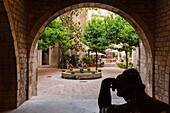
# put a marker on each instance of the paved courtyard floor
(51, 85)
(58, 95)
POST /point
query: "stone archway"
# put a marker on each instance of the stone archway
(167, 78)
(139, 25)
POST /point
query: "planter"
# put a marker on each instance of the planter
(108, 61)
(88, 69)
(99, 70)
(63, 70)
(71, 69)
(93, 72)
(81, 76)
(72, 72)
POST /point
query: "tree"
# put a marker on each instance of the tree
(93, 36)
(63, 31)
(120, 32)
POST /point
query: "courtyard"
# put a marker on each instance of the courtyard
(51, 85)
(58, 95)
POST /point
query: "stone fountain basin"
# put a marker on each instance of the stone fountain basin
(80, 76)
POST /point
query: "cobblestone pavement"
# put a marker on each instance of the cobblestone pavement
(51, 85)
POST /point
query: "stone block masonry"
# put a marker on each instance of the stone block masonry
(16, 11)
(162, 51)
(8, 73)
(23, 21)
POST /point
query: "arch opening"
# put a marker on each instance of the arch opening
(146, 62)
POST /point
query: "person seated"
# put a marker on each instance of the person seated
(68, 64)
(101, 64)
(80, 65)
(84, 65)
(129, 86)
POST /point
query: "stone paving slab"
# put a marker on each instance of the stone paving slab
(51, 84)
(57, 95)
(60, 106)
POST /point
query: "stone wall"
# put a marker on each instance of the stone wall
(143, 69)
(16, 11)
(54, 56)
(8, 72)
(162, 50)
(135, 58)
(28, 19)
(33, 74)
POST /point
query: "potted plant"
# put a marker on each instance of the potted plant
(99, 70)
(63, 70)
(71, 69)
(93, 72)
(88, 69)
(72, 72)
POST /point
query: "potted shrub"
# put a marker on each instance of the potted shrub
(93, 72)
(99, 70)
(88, 69)
(71, 69)
(72, 72)
(63, 70)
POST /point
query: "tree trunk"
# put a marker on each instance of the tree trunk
(59, 56)
(88, 52)
(126, 59)
(62, 60)
(96, 60)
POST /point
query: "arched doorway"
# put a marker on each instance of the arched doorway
(143, 31)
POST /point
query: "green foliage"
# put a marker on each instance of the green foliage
(73, 59)
(54, 33)
(123, 64)
(120, 32)
(87, 59)
(124, 34)
(64, 32)
(93, 71)
(73, 71)
(93, 35)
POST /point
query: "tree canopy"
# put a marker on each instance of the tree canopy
(63, 31)
(123, 35)
(100, 34)
(94, 36)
